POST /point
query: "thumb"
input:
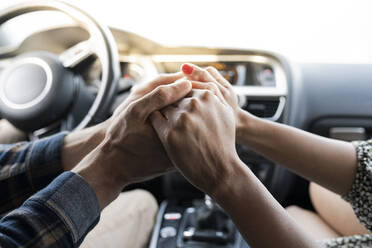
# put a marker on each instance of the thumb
(160, 97)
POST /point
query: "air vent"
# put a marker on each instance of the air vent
(262, 108)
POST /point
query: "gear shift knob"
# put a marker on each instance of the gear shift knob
(208, 223)
(208, 201)
(210, 216)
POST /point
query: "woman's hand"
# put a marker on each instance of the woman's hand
(209, 78)
(198, 135)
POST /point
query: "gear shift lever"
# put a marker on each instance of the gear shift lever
(208, 224)
(209, 215)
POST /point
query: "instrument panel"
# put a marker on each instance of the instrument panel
(259, 81)
(251, 75)
(237, 73)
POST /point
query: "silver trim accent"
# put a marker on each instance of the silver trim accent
(39, 98)
(37, 134)
(76, 54)
(172, 216)
(348, 133)
(189, 232)
(158, 222)
(168, 232)
(282, 100)
(279, 111)
(241, 75)
(209, 202)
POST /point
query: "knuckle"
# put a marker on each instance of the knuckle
(201, 75)
(184, 117)
(161, 93)
(225, 92)
(198, 75)
(183, 121)
(205, 73)
(194, 103)
(211, 69)
(206, 95)
(212, 87)
(134, 110)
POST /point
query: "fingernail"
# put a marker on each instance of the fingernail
(187, 69)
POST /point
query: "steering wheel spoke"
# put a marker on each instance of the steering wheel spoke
(67, 123)
(45, 131)
(77, 54)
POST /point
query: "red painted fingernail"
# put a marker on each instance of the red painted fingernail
(187, 69)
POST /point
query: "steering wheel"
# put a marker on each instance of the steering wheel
(39, 91)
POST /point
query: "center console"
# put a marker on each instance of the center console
(201, 223)
(189, 220)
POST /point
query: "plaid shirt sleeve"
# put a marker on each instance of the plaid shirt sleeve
(27, 167)
(60, 214)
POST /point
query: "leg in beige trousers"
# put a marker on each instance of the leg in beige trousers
(126, 222)
(9, 134)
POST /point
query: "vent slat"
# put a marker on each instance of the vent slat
(262, 108)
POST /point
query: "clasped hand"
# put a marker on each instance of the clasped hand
(185, 120)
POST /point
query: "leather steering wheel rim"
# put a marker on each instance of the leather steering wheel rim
(107, 52)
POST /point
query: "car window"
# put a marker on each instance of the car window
(306, 31)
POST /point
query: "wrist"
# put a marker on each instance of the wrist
(77, 145)
(247, 127)
(228, 185)
(100, 175)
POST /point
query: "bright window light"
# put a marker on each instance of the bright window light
(307, 31)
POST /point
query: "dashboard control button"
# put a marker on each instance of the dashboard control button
(168, 232)
(172, 216)
(266, 77)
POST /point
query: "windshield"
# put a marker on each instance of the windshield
(306, 31)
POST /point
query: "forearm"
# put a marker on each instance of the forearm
(100, 175)
(78, 144)
(328, 162)
(258, 216)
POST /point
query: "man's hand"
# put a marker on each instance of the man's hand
(199, 137)
(139, 91)
(131, 140)
(78, 144)
(131, 151)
